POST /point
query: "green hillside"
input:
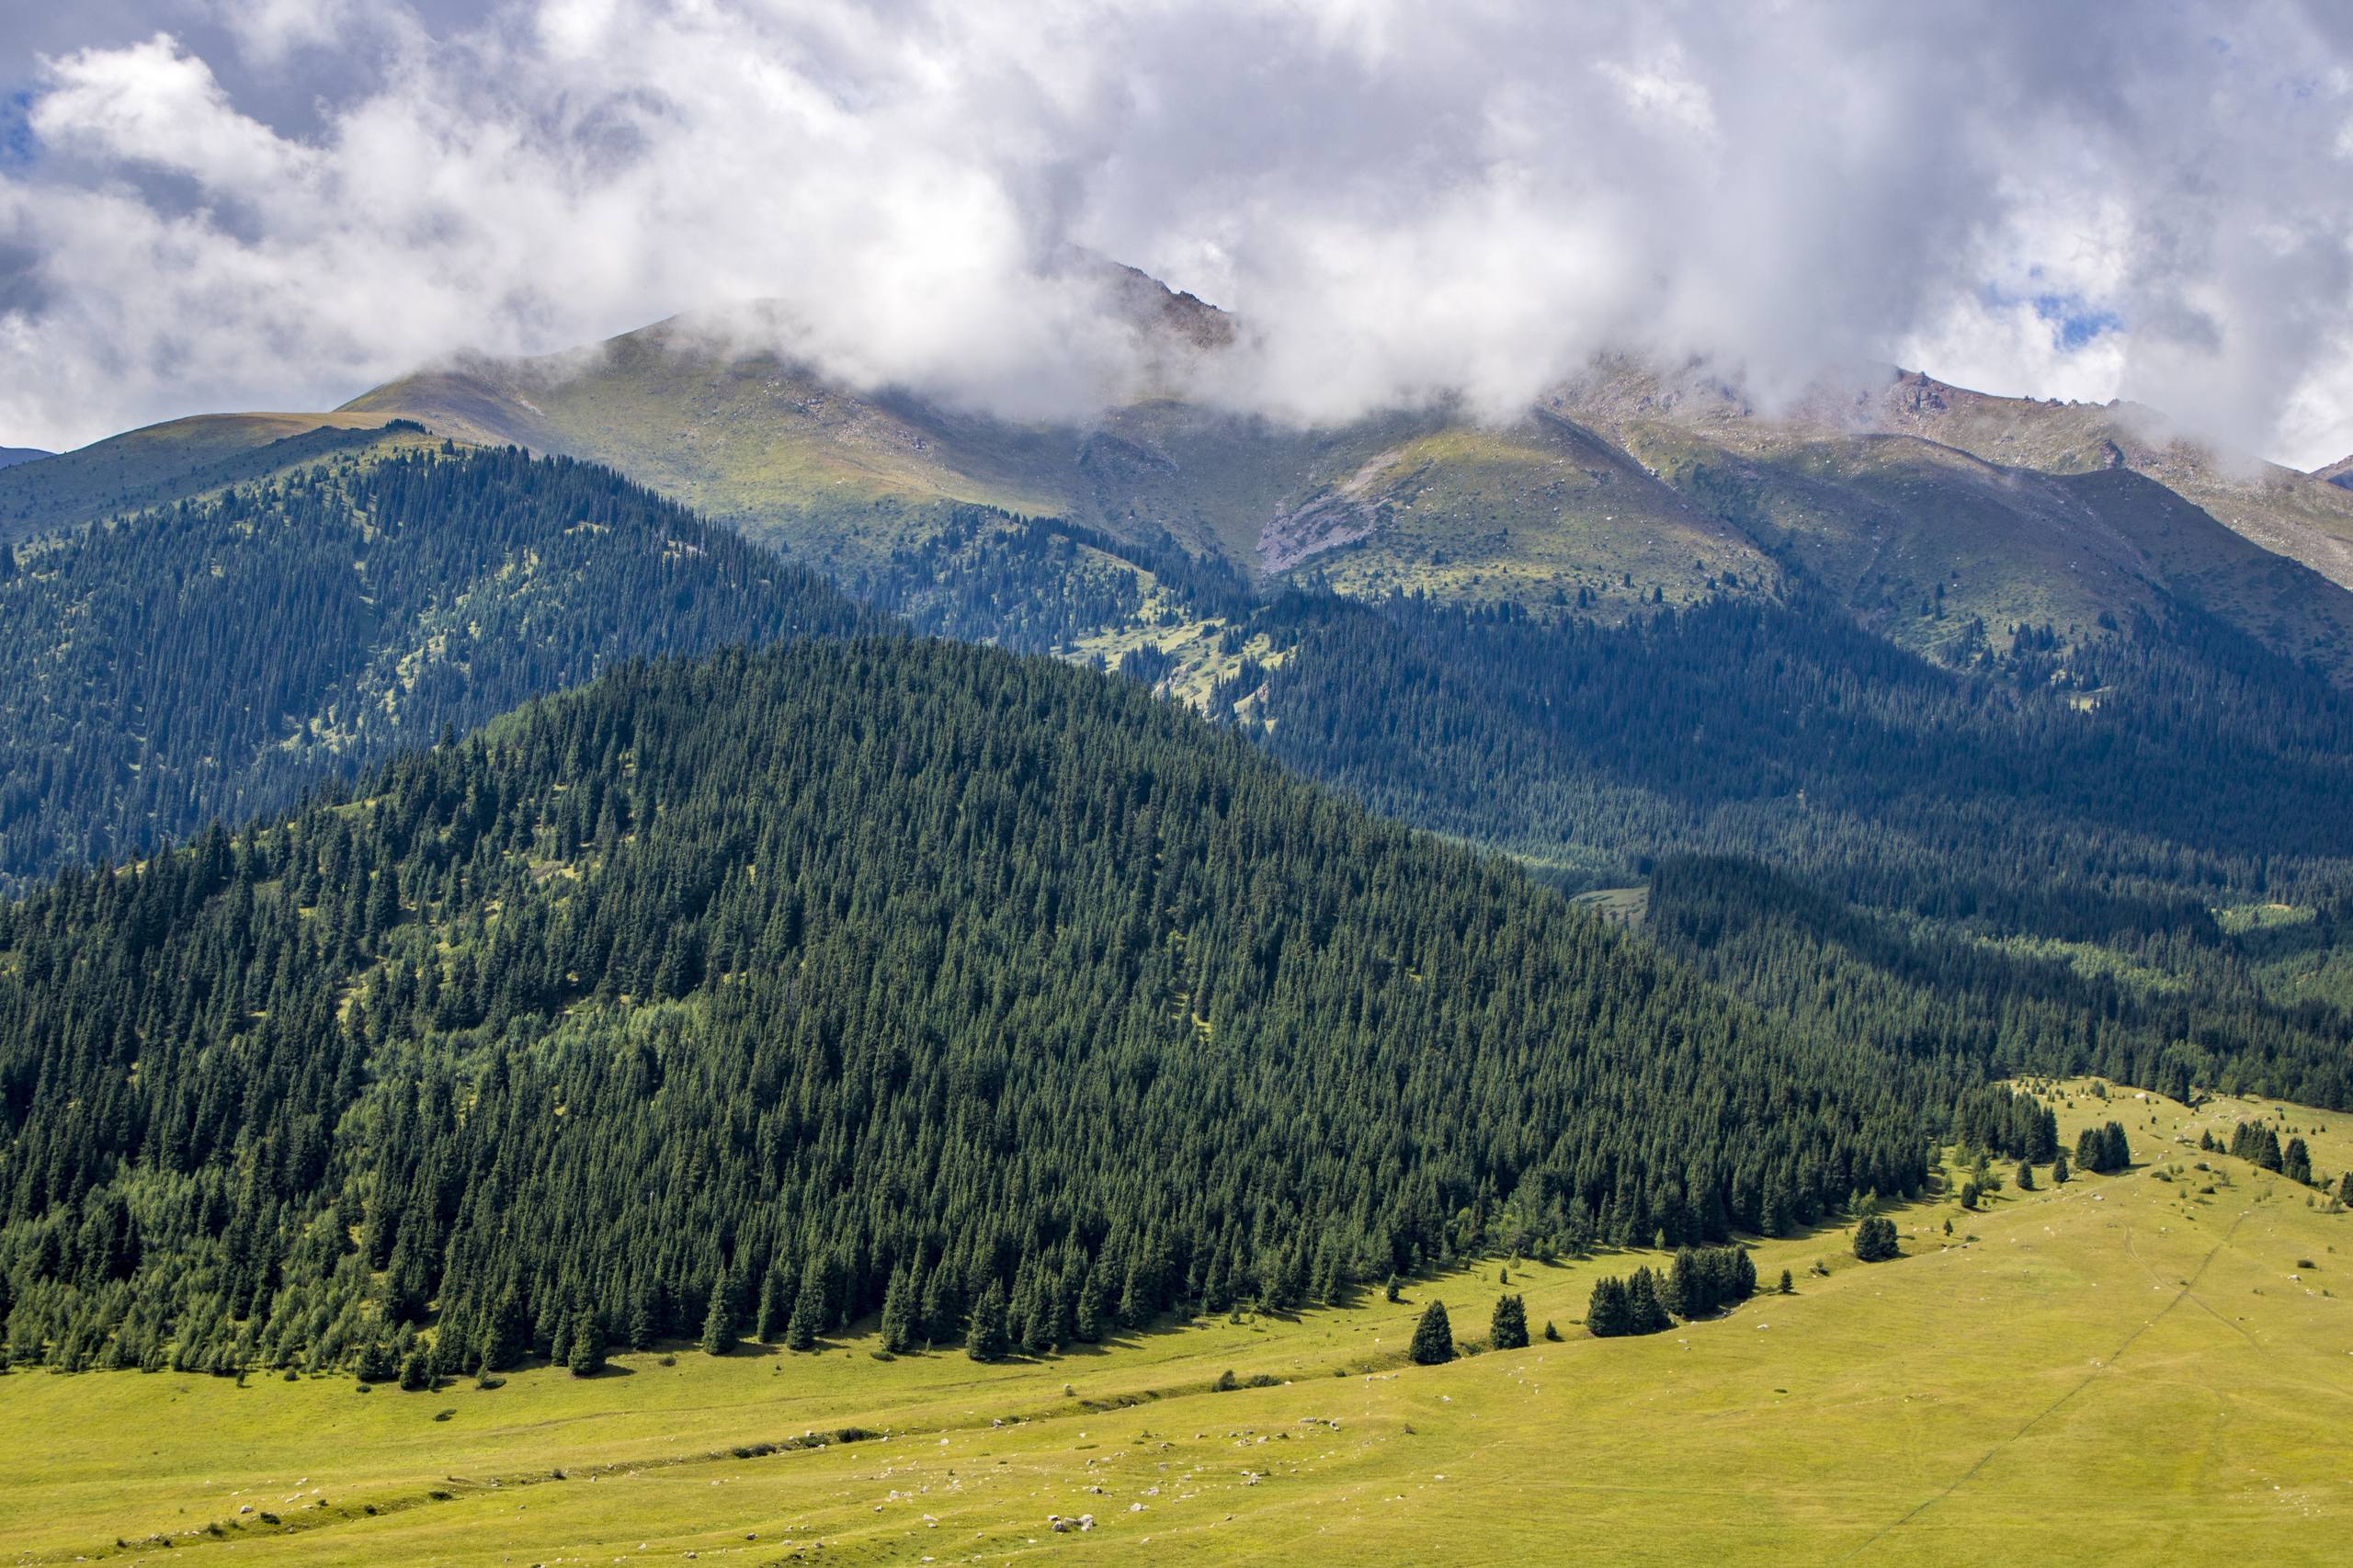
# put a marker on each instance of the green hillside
(778, 988)
(2126, 1369)
(216, 658)
(163, 464)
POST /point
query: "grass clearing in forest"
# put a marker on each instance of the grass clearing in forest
(2149, 1366)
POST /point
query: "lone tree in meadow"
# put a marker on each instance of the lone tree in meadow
(1433, 1336)
(1508, 1330)
(1875, 1240)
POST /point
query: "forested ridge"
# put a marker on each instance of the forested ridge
(858, 975)
(2128, 781)
(210, 659)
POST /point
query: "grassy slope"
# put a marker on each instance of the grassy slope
(163, 463)
(2127, 1369)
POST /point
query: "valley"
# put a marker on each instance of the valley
(2120, 1369)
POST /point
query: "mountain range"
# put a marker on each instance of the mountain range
(1943, 518)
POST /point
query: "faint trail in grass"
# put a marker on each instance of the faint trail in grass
(2039, 1416)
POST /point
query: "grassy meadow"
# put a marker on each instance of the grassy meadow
(2151, 1367)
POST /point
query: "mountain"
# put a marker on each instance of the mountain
(11, 456)
(1941, 516)
(2339, 472)
(776, 988)
(217, 658)
(164, 463)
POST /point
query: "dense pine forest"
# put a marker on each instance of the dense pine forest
(2122, 787)
(756, 994)
(759, 993)
(210, 660)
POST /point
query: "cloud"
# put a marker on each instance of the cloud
(283, 203)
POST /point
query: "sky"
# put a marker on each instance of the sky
(236, 204)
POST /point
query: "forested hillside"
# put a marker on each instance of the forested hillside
(765, 991)
(2175, 763)
(211, 659)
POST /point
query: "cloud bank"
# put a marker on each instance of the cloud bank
(213, 204)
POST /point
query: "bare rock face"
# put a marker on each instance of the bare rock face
(2339, 473)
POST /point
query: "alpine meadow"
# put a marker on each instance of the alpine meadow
(1174, 783)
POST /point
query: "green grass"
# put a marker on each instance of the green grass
(2126, 1370)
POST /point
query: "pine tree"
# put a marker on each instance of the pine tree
(1789, 1286)
(1508, 1329)
(943, 1314)
(1087, 1320)
(1646, 1311)
(2059, 1171)
(719, 1320)
(1875, 1240)
(899, 1310)
(1606, 1316)
(1433, 1337)
(2025, 1176)
(644, 1317)
(988, 1340)
(585, 1355)
(416, 1373)
(809, 1309)
(505, 1335)
(2115, 1152)
(2296, 1162)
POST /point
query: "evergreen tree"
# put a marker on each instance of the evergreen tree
(1508, 1329)
(2025, 1176)
(505, 1332)
(988, 1339)
(811, 1309)
(585, 1352)
(416, 1372)
(899, 1311)
(1088, 1320)
(1606, 1315)
(2296, 1162)
(719, 1320)
(1876, 1241)
(1433, 1337)
(1789, 1286)
(1645, 1307)
(2059, 1171)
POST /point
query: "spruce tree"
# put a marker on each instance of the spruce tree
(2025, 1176)
(1606, 1316)
(809, 1309)
(1508, 1329)
(988, 1340)
(2059, 1171)
(585, 1353)
(1087, 1321)
(1433, 1337)
(1646, 1310)
(1875, 1240)
(719, 1320)
(2296, 1162)
(1789, 1286)
(899, 1310)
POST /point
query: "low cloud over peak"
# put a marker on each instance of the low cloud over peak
(205, 205)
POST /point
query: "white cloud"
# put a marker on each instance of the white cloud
(1404, 199)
